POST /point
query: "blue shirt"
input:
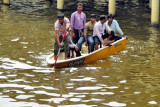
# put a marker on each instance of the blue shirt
(115, 27)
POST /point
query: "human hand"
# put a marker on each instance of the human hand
(125, 37)
(73, 34)
(109, 32)
(60, 45)
(76, 48)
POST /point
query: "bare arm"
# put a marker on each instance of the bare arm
(57, 38)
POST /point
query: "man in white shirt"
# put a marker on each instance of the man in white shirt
(114, 26)
(99, 29)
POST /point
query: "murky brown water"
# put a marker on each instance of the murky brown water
(129, 78)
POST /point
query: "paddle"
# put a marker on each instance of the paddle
(60, 48)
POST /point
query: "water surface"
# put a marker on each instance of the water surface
(129, 78)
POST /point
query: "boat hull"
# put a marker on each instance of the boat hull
(96, 55)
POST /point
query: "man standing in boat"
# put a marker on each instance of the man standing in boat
(114, 26)
(98, 31)
(78, 20)
(61, 26)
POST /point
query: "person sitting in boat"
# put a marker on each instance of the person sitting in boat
(88, 32)
(61, 26)
(114, 26)
(98, 31)
(72, 46)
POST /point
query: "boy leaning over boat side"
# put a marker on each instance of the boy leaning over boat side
(61, 25)
(98, 31)
(114, 26)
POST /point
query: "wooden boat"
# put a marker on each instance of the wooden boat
(96, 55)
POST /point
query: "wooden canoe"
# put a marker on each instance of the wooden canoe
(96, 55)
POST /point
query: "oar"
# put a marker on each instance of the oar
(60, 48)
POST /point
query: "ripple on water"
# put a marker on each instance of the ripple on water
(12, 75)
(24, 96)
(22, 59)
(3, 77)
(83, 79)
(24, 46)
(95, 99)
(12, 64)
(92, 68)
(111, 87)
(115, 104)
(103, 93)
(29, 62)
(44, 71)
(24, 43)
(55, 100)
(78, 105)
(75, 99)
(152, 102)
(30, 52)
(26, 87)
(88, 88)
(46, 93)
(137, 92)
(123, 81)
(15, 39)
(29, 75)
(17, 91)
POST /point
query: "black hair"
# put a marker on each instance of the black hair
(60, 15)
(102, 17)
(79, 4)
(110, 16)
(93, 16)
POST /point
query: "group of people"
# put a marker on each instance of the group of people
(92, 33)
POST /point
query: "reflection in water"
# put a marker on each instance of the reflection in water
(128, 78)
(5, 8)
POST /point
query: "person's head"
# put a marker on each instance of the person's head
(93, 18)
(103, 19)
(110, 17)
(61, 18)
(79, 7)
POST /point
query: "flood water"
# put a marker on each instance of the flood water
(130, 78)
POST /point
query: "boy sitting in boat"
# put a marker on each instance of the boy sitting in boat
(72, 46)
(61, 26)
(88, 34)
(114, 26)
(99, 30)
